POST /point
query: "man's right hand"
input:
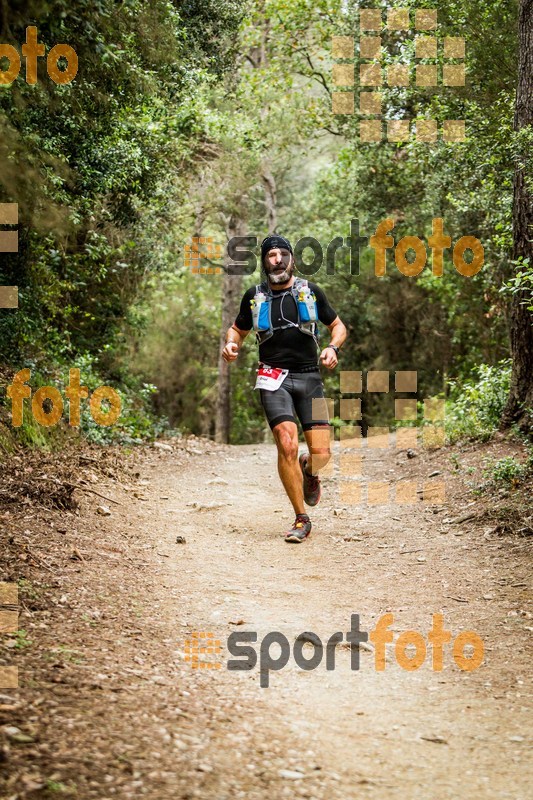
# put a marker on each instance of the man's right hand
(230, 351)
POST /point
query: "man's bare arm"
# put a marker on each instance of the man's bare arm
(234, 339)
(338, 331)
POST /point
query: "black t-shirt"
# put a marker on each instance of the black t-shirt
(288, 348)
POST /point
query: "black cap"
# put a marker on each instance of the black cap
(274, 241)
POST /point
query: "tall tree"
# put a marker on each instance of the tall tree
(264, 130)
(231, 291)
(519, 407)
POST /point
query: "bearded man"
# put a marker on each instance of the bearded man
(284, 312)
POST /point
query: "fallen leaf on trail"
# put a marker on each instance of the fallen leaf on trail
(104, 511)
(32, 783)
(237, 622)
(464, 517)
(206, 506)
(14, 734)
(290, 774)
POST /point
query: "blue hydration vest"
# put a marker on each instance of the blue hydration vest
(305, 303)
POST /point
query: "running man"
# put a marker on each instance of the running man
(283, 311)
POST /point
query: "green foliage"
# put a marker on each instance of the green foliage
(21, 639)
(178, 352)
(66, 653)
(521, 282)
(248, 419)
(58, 787)
(442, 326)
(177, 112)
(509, 471)
(475, 406)
(29, 590)
(99, 169)
(137, 420)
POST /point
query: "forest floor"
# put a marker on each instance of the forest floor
(108, 706)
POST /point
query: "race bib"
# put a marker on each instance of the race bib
(270, 378)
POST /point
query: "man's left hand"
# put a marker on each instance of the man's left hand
(328, 357)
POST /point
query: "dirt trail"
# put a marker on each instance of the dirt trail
(161, 729)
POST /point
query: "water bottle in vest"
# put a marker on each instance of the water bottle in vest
(260, 315)
(307, 305)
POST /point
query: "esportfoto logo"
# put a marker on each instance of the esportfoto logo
(410, 649)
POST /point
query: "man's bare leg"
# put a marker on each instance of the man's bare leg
(286, 437)
(318, 442)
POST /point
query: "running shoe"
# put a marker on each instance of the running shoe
(300, 530)
(311, 484)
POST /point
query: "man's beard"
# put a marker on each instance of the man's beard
(279, 277)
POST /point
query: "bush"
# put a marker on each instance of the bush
(137, 420)
(474, 409)
(509, 470)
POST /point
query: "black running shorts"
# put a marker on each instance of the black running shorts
(294, 398)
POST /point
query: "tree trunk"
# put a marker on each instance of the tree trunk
(231, 295)
(232, 284)
(519, 408)
(269, 185)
